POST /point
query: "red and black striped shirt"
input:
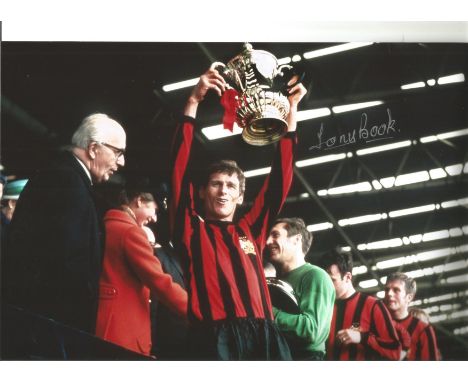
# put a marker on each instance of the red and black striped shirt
(225, 272)
(379, 340)
(403, 337)
(423, 340)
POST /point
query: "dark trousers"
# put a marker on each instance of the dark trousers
(237, 339)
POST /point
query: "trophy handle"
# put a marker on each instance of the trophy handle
(288, 72)
(225, 72)
(215, 65)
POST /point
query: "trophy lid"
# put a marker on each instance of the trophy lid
(248, 46)
(265, 62)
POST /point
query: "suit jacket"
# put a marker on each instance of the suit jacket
(52, 262)
(130, 271)
(168, 331)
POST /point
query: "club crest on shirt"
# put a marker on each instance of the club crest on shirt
(356, 326)
(246, 245)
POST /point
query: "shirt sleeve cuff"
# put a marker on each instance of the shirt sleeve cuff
(186, 118)
(181, 118)
(291, 134)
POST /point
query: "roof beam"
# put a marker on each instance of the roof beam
(333, 220)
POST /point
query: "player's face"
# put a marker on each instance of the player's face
(396, 299)
(341, 283)
(281, 247)
(221, 196)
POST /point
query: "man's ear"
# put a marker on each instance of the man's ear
(240, 199)
(410, 297)
(201, 193)
(298, 238)
(348, 276)
(92, 149)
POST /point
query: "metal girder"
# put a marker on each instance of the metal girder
(333, 220)
(25, 119)
(211, 58)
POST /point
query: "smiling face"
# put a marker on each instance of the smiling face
(396, 299)
(221, 196)
(145, 212)
(281, 247)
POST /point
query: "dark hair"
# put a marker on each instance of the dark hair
(410, 283)
(225, 167)
(126, 196)
(296, 226)
(343, 260)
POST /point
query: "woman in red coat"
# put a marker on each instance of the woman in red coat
(130, 271)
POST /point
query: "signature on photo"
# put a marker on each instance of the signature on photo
(364, 134)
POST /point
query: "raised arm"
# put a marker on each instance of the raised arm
(211, 79)
(270, 199)
(181, 147)
(295, 95)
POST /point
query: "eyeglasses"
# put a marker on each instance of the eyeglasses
(117, 152)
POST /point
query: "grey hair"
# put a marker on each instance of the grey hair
(94, 128)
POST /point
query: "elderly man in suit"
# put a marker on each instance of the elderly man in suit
(53, 258)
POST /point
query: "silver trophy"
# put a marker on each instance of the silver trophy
(260, 82)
